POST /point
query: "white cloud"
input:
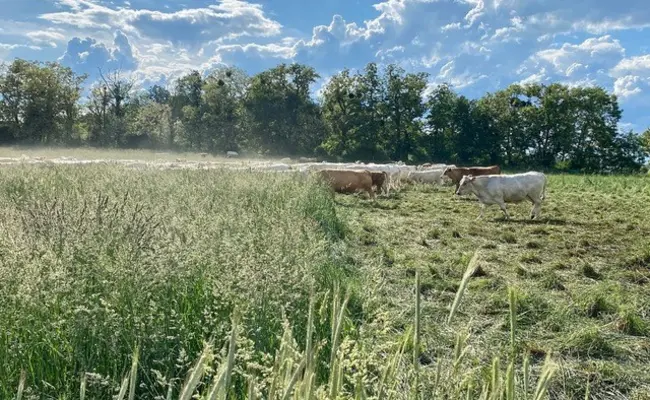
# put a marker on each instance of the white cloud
(633, 78)
(537, 77)
(10, 46)
(634, 65)
(391, 53)
(236, 18)
(582, 63)
(48, 37)
(88, 55)
(448, 74)
(630, 85)
(450, 27)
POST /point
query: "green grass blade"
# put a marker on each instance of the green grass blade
(82, 386)
(513, 318)
(294, 378)
(471, 269)
(21, 384)
(133, 376)
(548, 370)
(196, 373)
(123, 388)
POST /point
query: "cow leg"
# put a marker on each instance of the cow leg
(537, 208)
(502, 205)
(480, 214)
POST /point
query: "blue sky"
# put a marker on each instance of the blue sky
(476, 45)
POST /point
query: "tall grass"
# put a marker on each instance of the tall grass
(291, 374)
(98, 261)
(220, 284)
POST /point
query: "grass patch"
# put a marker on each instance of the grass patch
(95, 261)
(580, 277)
(106, 268)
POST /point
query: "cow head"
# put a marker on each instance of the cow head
(465, 185)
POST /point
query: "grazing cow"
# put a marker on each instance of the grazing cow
(431, 166)
(346, 181)
(276, 167)
(379, 179)
(502, 189)
(456, 173)
(231, 154)
(427, 176)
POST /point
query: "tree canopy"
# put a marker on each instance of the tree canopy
(376, 114)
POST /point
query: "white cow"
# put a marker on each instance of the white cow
(231, 154)
(276, 167)
(428, 166)
(427, 176)
(502, 189)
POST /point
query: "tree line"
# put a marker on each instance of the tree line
(375, 114)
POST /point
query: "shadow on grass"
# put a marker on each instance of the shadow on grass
(542, 221)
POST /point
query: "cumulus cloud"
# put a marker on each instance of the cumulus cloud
(577, 61)
(88, 55)
(630, 85)
(634, 65)
(191, 26)
(632, 77)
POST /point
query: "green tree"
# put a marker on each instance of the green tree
(596, 126)
(159, 94)
(222, 109)
(627, 155)
(39, 101)
(404, 110)
(459, 130)
(645, 140)
(341, 105)
(284, 118)
(151, 127)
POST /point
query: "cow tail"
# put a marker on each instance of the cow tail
(544, 188)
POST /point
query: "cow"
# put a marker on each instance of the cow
(379, 180)
(502, 189)
(456, 173)
(427, 176)
(346, 181)
(231, 154)
(431, 166)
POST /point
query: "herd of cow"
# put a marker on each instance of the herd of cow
(486, 183)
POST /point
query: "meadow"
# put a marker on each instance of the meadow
(149, 284)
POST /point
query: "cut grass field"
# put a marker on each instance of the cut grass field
(116, 282)
(581, 274)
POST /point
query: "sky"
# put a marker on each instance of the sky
(477, 46)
